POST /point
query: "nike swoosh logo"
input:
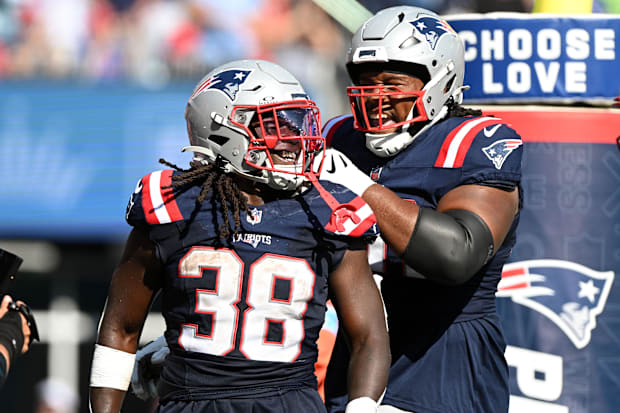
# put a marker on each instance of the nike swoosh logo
(491, 132)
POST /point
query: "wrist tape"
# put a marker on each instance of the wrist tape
(111, 368)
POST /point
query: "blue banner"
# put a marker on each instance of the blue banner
(559, 297)
(71, 155)
(536, 57)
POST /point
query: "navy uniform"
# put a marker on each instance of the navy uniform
(437, 330)
(242, 318)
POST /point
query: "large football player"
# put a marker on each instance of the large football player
(447, 207)
(243, 246)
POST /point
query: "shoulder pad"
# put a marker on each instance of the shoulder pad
(153, 201)
(333, 126)
(491, 137)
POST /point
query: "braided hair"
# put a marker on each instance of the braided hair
(210, 176)
(456, 110)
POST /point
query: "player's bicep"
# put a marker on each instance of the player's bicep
(134, 284)
(496, 207)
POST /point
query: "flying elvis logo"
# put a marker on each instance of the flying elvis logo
(228, 82)
(498, 151)
(569, 294)
(432, 29)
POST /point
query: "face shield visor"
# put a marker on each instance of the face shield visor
(285, 137)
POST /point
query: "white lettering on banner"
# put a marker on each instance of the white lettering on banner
(492, 45)
(549, 44)
(547, 78)
(520, 44)
(519, 77)
(539, 378)
(488, 85)
(528, 363)
(546, 46)
(469, 37)
(604, 44)
(577, 44)
(575, 77)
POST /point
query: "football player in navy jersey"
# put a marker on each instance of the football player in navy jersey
(447, 205)
(243, 246)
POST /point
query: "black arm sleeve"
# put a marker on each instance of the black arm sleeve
(449, 247)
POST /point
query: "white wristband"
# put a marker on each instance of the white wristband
(361, 405)
(111, 368)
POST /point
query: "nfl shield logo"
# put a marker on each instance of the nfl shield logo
(254, 216)
(375, 173)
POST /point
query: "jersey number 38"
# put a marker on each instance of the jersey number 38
(266, 311)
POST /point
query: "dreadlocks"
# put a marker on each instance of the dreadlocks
(226, 189)
(455, 109)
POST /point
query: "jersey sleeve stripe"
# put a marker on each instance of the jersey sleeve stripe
(168, 197)
(457, 143)
(332, 126)
(147, 203)
(159, 204)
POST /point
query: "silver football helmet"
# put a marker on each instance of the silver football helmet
(253, 118)
(414, 41)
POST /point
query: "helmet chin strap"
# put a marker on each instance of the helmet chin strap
(389, 144)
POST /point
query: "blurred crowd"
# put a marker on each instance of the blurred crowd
(154, 42)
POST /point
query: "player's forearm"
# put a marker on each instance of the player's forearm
(369, 368)
(396, 217)
(106, 400)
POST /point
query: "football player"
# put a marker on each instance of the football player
(243, 246)
(447, 206)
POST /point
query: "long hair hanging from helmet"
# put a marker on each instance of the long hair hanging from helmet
(349, 13)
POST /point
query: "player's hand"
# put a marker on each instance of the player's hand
(4, 309)
(146, 371)
(339, 169)
(4, 306)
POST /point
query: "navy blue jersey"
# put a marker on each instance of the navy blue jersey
(246, 312)
(438, 332)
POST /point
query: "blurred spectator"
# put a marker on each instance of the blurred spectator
(55, 396)
(156, 41)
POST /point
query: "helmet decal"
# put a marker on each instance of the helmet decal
(432, 29)
(228, 82)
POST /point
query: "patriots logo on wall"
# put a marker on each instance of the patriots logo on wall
(432, 29)
(498, 151)
(228, 82)
(569, 294)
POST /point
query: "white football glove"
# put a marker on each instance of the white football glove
(339, 169)
(149, 362)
